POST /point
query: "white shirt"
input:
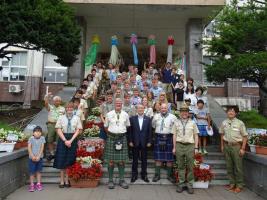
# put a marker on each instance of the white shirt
(140, 120)
(117, 123)
(163, 125)
(149, 112)
(62, 123)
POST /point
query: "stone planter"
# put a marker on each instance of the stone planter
(7, 147)
(84, 183)
(261, 150)
(252, 148)
(201, 184)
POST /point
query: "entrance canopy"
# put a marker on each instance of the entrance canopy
(122, 19)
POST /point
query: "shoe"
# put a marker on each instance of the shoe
(205, 152)
(179, 189)
(39, 187)
(111, 185)
(237, 190)
(31, 188)
(144, 178)
(201, 150)
(67, 185)
(230, 187)
(156, 178)
(190, 189)
(50, 157)
(133, 179)
(171, 179)
(61, 185)
(123, 184)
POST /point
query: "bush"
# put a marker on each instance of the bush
(253, 119)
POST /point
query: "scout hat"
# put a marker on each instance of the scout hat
(184, 107)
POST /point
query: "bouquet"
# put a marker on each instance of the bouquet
(96, 111)
(91, 118)
(92, 132)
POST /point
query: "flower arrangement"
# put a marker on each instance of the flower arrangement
(92, 132)
(91, 118)
(253, 138)
(98, 148)
(4, 134)
(96, 111)
(261, 140)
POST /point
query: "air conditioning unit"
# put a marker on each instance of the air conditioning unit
(14, 88)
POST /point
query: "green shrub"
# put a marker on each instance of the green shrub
(253, 119)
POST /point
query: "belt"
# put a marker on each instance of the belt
(163, 135)
(184, 143)
(51, 122)
(68, 133)
(232, 143)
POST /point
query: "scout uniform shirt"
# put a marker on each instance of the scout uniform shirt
(129, 109)
(106, 107)
(117, 123)
(233, 130)
(163, 124)
(148, 112)
(185, 131)
(54, 113)
(90, 90)
(69, 125)
(78, 112)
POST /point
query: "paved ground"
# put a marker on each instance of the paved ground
(135, 192)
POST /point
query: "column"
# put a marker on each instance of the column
(193, 35)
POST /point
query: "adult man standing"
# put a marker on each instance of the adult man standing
(163, 150)
(185, 143)
(116, 148)
(140, 139)
(54, 111)
(233, 142)
(167, 77)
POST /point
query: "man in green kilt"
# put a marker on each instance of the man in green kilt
(116, 148)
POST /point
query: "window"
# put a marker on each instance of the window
(249, 84)
(209, 60)
(14, 69)
(54, 72)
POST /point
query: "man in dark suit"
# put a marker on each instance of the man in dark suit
(140, 140)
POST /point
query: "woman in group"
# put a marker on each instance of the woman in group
(104, 84)
(68, 127)
(156, 108)
(163, 99)
(148, 110)
(189, 92)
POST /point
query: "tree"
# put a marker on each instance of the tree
(239, 46)
(42, 25)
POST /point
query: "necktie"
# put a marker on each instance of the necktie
(69, 130)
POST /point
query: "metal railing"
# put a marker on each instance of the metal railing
(254, 101)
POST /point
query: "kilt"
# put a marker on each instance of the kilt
(165, 155)
(110, 154)
(65, 156)
(202, 130)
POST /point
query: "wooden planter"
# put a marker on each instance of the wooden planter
(21, 144)
(84, 183)
(261, 150)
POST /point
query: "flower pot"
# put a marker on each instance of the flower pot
(261, 150)
(8, 147)
(84, 183)
(201, 184)
(21, 144)
(252, 148)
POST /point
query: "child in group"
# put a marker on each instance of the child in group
(203, 122)
(35, 149)
(136, 99)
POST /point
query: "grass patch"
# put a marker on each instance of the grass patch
(253, 119)
(7, 127)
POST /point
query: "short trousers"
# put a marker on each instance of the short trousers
(35, 166)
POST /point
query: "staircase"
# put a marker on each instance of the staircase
(215, 159)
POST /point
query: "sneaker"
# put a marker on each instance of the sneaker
(31, 188)
(230, 187)
(237, 190)
(205, 151)
(39, 187)
(201, 150)
(123, 184)
(50, 157)
(190, 189)
(179, 189)
(156, 178)
(111, 185)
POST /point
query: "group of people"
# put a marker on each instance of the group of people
(137, 115)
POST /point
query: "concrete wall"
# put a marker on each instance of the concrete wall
(13, 171)
(255, 173)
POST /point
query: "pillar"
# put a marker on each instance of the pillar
(193, 50)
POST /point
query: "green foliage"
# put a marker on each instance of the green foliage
(253, 119)
(45, 25)
(8, 127)
(239, 44)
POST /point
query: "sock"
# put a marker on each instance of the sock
(157, 170)
(169, 171)
(121, 172)
(110, 173)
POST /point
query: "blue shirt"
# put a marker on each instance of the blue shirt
(156, 92)
(166, 75)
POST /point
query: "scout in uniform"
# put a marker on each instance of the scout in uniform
(116, 148)
(68, 128)
(233, 142)
(163, 123)
(54, 111)
(185, 137)
(127, 106)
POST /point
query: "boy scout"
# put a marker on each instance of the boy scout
(185, 143)
(233, 142)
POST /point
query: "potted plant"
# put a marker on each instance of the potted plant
(85, 172)
(91, 132)
(252, 139)
(7, 144)
(90, 147)
(261, 144)
(96, 111)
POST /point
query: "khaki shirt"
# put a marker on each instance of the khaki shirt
(79, 113)
(90, 90)
(54, 113)
(62, 123)
(149, 112)
(185, 131)
(233, 130)
(163, 125)
(117, 123)
(106, 107)
(129, 109)
(83, 104)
